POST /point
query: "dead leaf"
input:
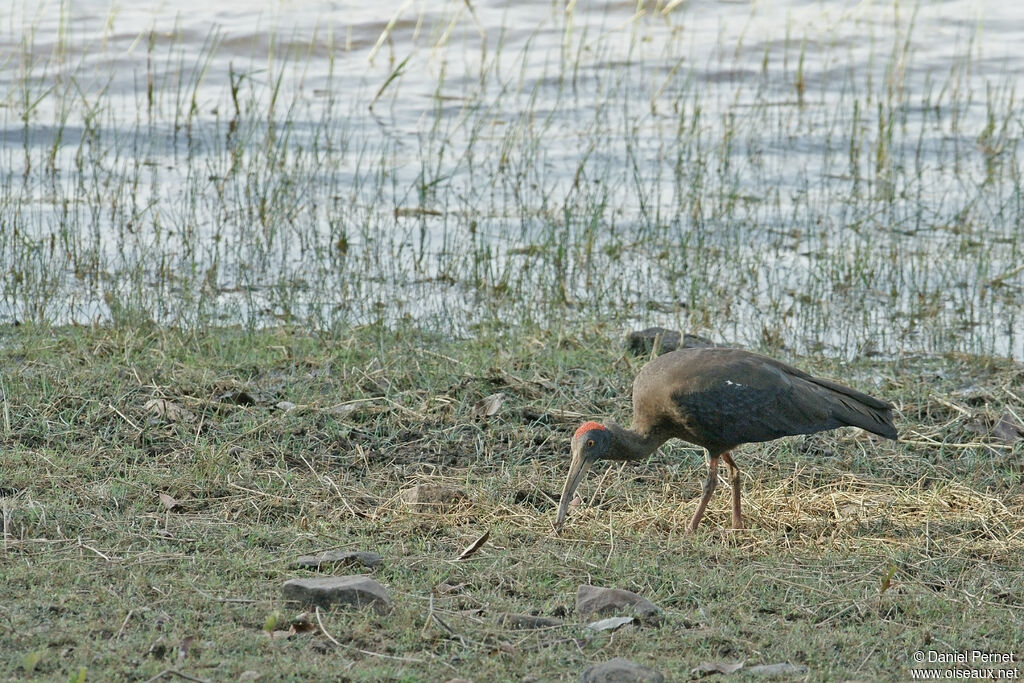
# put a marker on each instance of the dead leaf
(158, 650)
(887, 579)
(185, 646)
(525, 621)
(285, 406)
(343, 409)
(489, 405)
(610, 624)
(240, 397)
(169, 410)
(302, 625)
(169, 502)
(1007, 429)
(475, 545)
(724, 668)
(849, 510)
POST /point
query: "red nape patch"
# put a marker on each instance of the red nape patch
(586, 427)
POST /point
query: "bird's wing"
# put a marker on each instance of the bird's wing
(719, 398)
(750, 402)
(846, 406)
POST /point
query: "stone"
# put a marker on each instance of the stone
(781, 669)
(641, 342)
(525, 621)
(724, 668)
(594, 600)
(620, 670)
(610, 623)
(336, 558)
(358, 591)
(432, 497)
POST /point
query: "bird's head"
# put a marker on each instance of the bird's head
(590, 442)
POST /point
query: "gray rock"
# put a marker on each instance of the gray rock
(594, 600)
(782, 669)
(620, 670)
(524, 621)
(432, 497)
(641, 342)
(359, 591)
(336, 558)
(610, 623)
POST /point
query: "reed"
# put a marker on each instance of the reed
(804, 193)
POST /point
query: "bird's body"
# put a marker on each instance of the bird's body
(719, 398)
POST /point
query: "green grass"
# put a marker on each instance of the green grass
(99, 575)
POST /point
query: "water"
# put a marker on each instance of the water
(834, 177)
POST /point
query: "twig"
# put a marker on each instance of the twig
(320, 623)
(611, 542)
(124, 623)
(462, 639)
(933, 442)
(433, 617)
(838, 614)
(89, 547)
(124, 417)
(454, 361)
(175, 672)
(950, 404)
(243, 601)
(323, 629)
(260, 493)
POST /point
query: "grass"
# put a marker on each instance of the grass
(820, 184)
(860, 552)
(253, 287)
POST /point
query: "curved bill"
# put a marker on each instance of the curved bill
(577, 469)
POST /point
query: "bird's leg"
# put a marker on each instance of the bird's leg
(709, 488)
(734, 482)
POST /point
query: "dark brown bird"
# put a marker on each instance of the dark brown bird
(721, 398)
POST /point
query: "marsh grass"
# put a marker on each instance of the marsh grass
(824, 192)
(859, 551)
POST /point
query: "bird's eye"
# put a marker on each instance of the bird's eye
(590, 443)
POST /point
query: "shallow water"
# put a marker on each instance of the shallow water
(833, 177)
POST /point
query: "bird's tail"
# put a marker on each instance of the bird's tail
(856, 409)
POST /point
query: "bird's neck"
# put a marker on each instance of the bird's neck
(629, 445)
